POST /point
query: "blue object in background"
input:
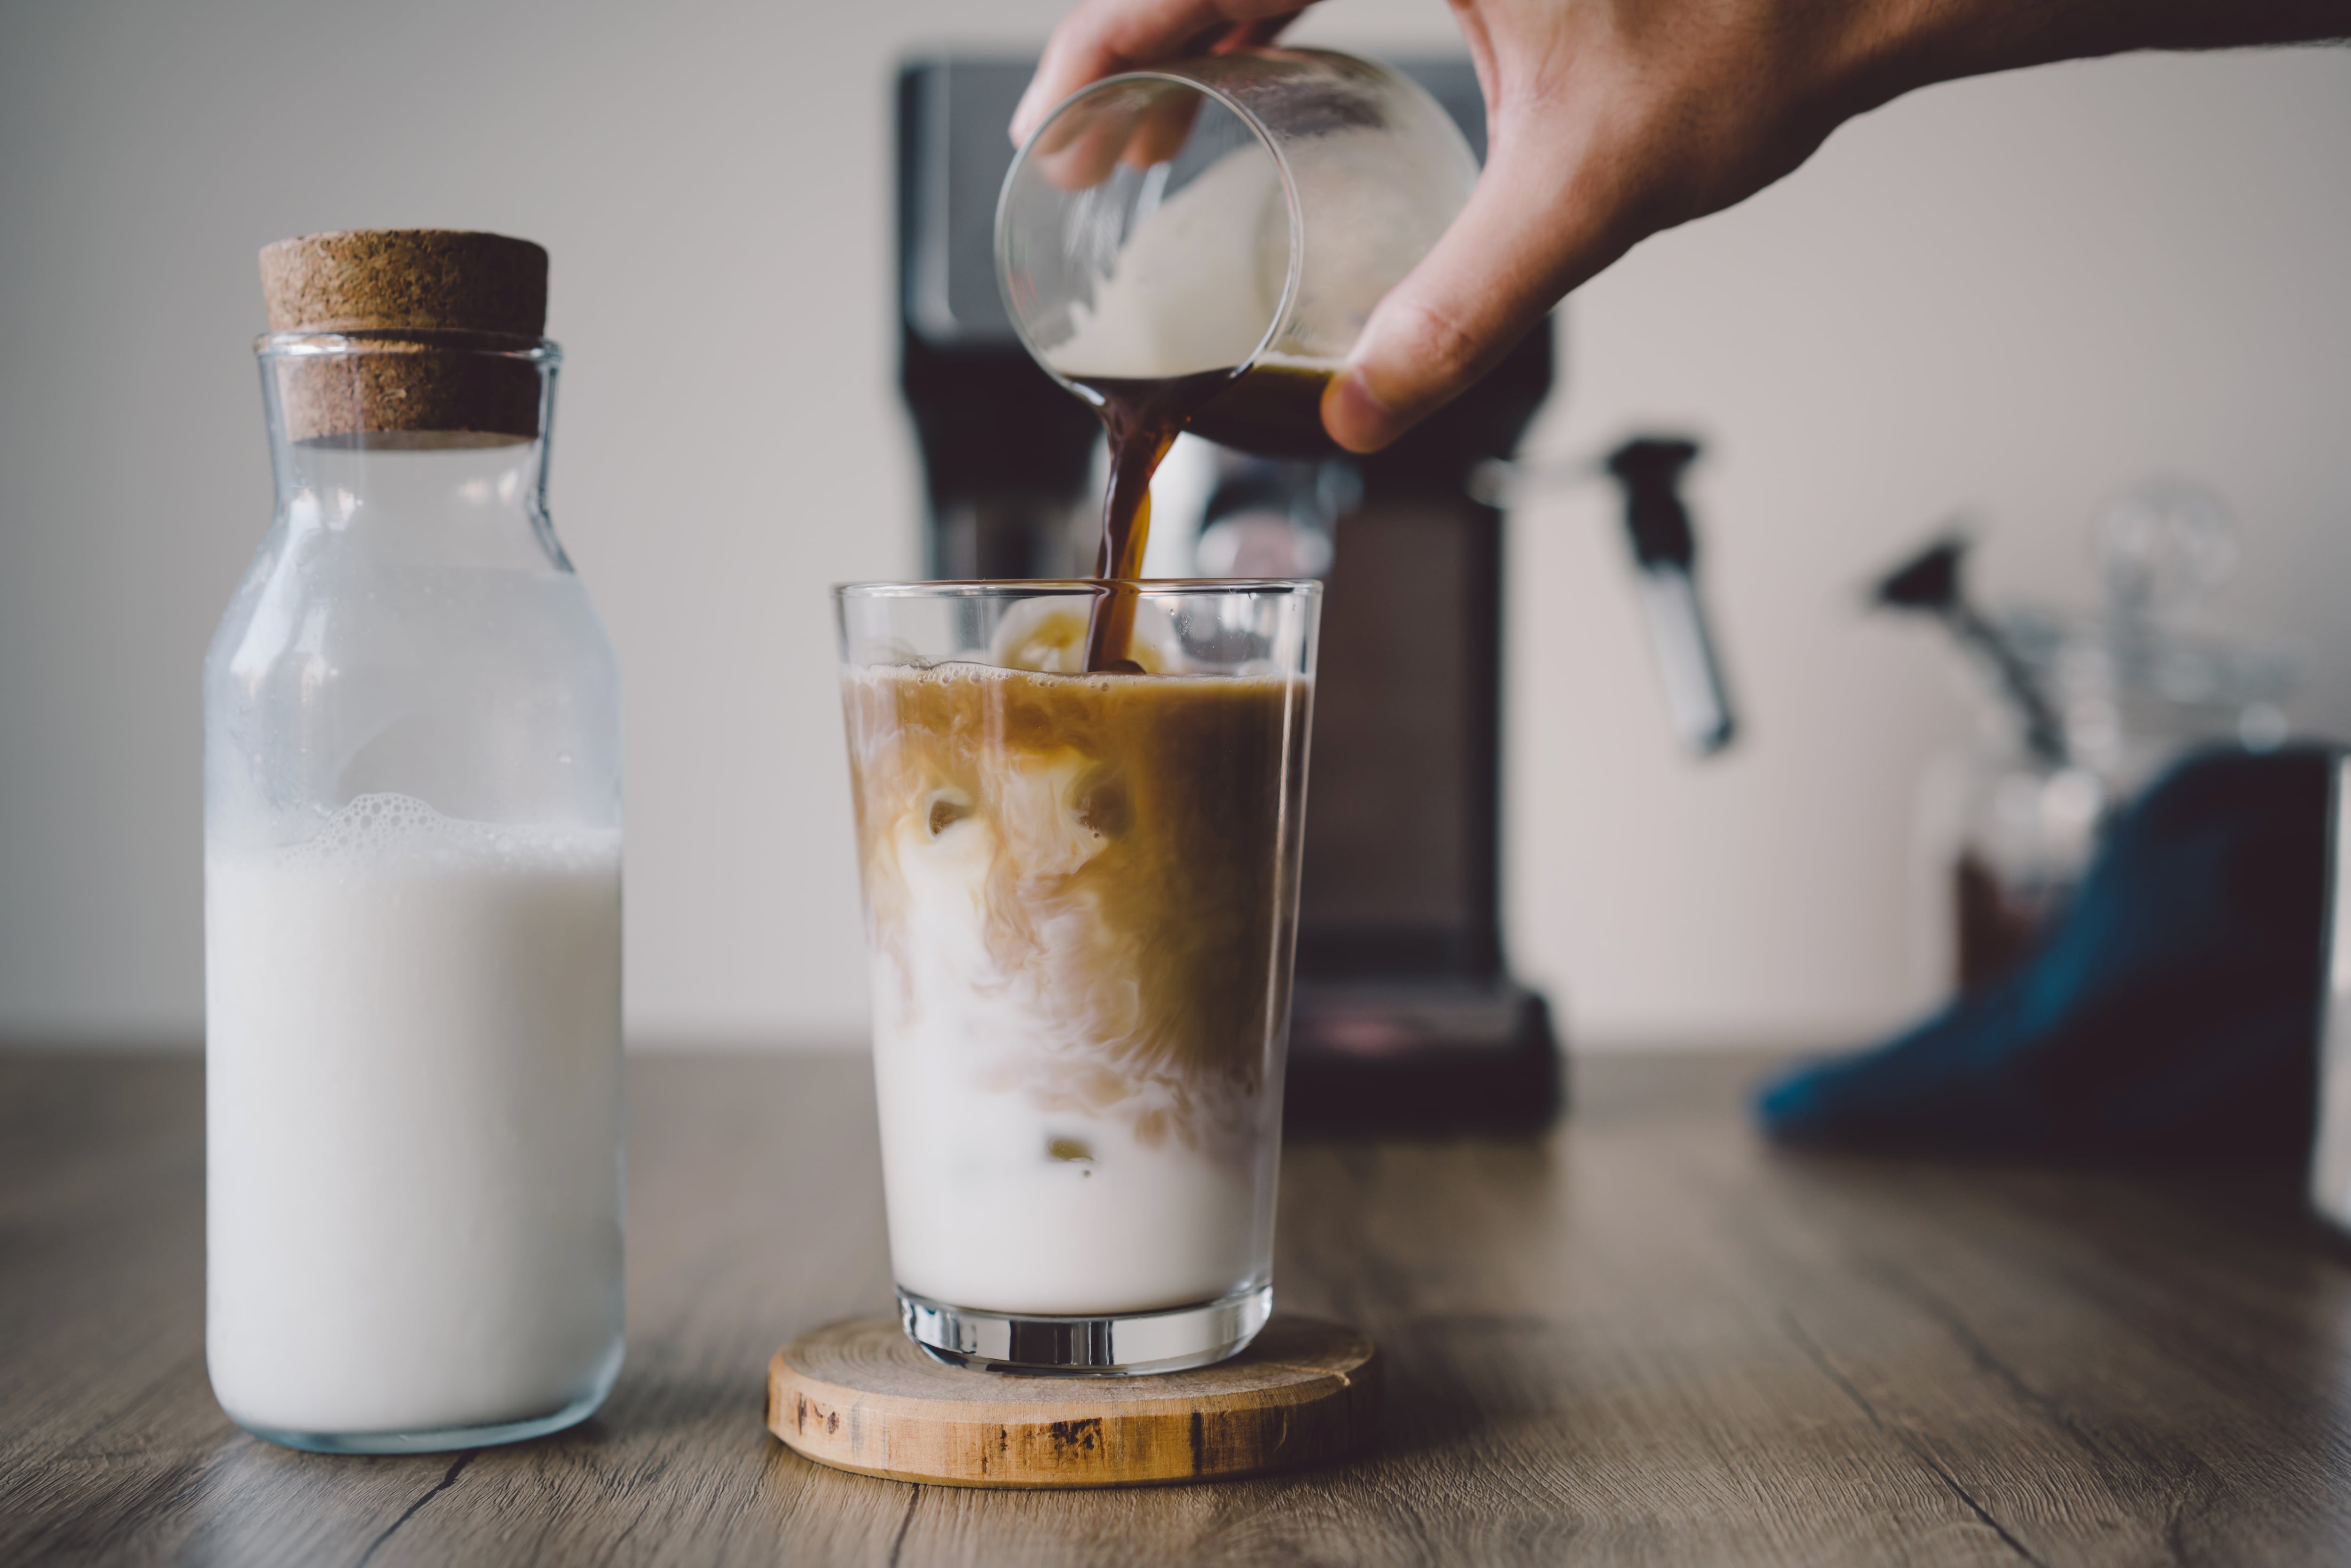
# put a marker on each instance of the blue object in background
(2171, 1016)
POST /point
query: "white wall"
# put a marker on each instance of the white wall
(2012, 294)
(2013, 297)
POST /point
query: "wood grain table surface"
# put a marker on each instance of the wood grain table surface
(1647, 1338)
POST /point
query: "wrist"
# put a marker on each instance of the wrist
(1893, 46)
(1888, 47)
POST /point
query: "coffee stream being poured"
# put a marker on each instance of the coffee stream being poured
(1141, 418)
(1274, 409)
(1200, 249)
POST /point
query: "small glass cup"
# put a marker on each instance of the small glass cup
(1081, 902)
(1238, 214)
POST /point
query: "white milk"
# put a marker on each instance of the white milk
(1198, 279)
(413, 1123)
(1196, 283)
(983, 1215)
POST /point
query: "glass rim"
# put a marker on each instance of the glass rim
(1082, 587)
(305, 345)
(1175, 73)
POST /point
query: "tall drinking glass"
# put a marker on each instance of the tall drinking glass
(1080, 901)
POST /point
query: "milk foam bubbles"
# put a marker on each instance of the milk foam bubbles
(413, 1066)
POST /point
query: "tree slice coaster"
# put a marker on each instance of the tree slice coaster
(860, 1396)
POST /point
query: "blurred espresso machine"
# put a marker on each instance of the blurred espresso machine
(1405, 1017)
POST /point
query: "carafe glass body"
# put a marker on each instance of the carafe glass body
(412, 928)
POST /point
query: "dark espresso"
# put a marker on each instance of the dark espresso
(1272, 410)
(1275, 411)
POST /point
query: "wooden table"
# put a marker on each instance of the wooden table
(1647, 1339)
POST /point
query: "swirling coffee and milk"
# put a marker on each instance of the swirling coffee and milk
(1074, 853)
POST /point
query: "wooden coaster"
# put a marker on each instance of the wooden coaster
(860, 1396)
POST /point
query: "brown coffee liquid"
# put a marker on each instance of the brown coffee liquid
(1142, 417)
(1273, 409)
(1118, 852)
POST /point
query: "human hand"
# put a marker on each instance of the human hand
(1608, 120)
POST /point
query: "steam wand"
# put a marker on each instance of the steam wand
(1665, 548)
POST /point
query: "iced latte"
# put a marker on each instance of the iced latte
(1081, 892)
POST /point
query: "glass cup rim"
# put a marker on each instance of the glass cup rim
(1173, 72)
(1082, 587)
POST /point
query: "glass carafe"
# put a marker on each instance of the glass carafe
(2007, 828)
(413, 917)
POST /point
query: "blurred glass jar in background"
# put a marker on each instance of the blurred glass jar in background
(2079, 714)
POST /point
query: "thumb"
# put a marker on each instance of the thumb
(1519, 246)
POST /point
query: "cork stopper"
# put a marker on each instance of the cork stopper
(427, 389)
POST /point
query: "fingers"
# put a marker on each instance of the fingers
(1164, 128)
(1263, 29)
(1079, 151)
(1137, 124)
(1102, 37)
(1532, 231)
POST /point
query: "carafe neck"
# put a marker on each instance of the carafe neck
(433, 446)
(482, 506)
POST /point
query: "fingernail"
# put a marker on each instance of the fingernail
(1355, 417)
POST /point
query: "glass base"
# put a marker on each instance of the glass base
(1135, 1344)
(442, 1439)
